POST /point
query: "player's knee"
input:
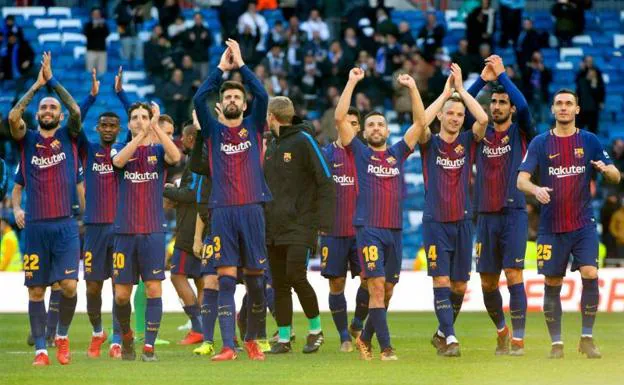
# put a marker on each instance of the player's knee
(153, 289)
(488, 283)
(442, 281)
(376, 290)
(211, 282)
(514, 276)
(553, 281)
(589, 272)
(337, 285)
(36, 293)
(69, 287)
(93, 288)
(389, 290)
(459, 287)
(56, 286)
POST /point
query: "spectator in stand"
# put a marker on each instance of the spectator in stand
(616, 152)
(168, 13)
(158, 49)
(536, 79)
(294, 54)
(529, 41)
(567, 16)
(192, 76)
(510, 20)
(350, 42)
(389, 56)
(610, 206)
(229, 12)
(374, 86)
(405, 34)
(317, 46)
(616, 230)
(176, 31)
(96, 32)
(337, 64)
(402, 102)
(467, 61)
(129, 17)
(176, 97)
(294, 30)
(284, 88)
(485, 51)
(278, 34)
(432, 34)
(257, 25)
(10, 28)
(385, 26)
(513, 75)
(315, 24)
(310, 81)
(197, 42)
(590, 89)
(17, 61)
(332, 12)
(248, 42)
(275, 62)
(480, 25)
(363, 103)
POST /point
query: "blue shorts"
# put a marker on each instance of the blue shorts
(52, 251)
(238, 236)
(138, 254)
(449, 249)
(184, 263)
(97, 252)
(380, 252)
(337, 255)
(554, 249)
(501, 240)
(207, 258)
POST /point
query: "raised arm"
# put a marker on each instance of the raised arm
(479, 126)
(90, 99)
(121, 158)
(434, 108)
(16, 123)
(172, 153)
(210, 85)
(74, 124)
(119, 91)
(487, 75)
(414, 132)
(345, 132)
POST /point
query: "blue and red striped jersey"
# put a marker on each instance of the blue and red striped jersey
(563, 164)
(498, 156)
(235, 153)
(100, 181)
(343, 170)
(140, 191)
(49, 168)
(380, 184)
(446, 171)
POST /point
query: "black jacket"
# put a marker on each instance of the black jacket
(185, 198)
(198, 164)
(302, 187)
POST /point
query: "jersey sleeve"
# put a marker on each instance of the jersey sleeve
(115, 149)
(401, 150)
(531, 158)
(19, 175)
(356, 147)
(206, 121)
(599, 153)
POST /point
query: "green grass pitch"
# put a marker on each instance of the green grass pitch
(418, 363)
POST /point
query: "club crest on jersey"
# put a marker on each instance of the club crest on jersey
(152, 159)
(56, 145)
(243, 133)
(391, 160)
(505, 139)
(579, 153)
(459, 149)
(287, 157)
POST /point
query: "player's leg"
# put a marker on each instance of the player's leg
(585, 252)
(209, 312)
(334, 263)
(151, 264)
(53, 313)
(181, 264)
(514, 249)
(283, 298)
(65, 257)
(123, 311)
(361, 297)
(461, 265)
(94, 311)
(552, 259)
(37, 317)
(125, 275)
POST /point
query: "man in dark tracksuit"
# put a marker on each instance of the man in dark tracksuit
(303, 205)
(184, 264)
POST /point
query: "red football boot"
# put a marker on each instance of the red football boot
(192, 338)
(63, 355)
(253, 351)
(96, 343)
(226, 354)
(115, 352)
(41, 359)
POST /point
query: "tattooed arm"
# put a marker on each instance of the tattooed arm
(74, 124)
(16, 123)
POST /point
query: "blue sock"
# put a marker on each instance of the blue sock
(67, 308)
(552, 311)
(494, 306)
(517, 309)
(53, 313)
(94, 311)
(378, 318)
(153, 315)
(37, 315)
(444, 310)
(192, 311)
(116, 339)
(209, 314)
(256, 305)
(589, 304)
(269, 294)
(122, 313)
(456, 301)
(361, 308)
(368, 331)
(227, 310)
(338, 308)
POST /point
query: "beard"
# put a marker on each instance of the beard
(232, 112)
(502, 119)
(51, 125)
(376, 142)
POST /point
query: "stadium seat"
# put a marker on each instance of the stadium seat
(49, 37)
(40, 24)
(74, 37)
(564, 66)
(582, 40)
(26, 12)
(133, 75)
(618, 40)
(145, 90)
(79, 51)
(70, 24)
(456, 25)
(573, 51)
(60, 11)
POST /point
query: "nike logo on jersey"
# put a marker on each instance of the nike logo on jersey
(553, 156)
(373, 157)
(173, 267)
(40, 145)
(98, 155)
(69, 271)
(518, 260)
(262, 260)
(156, 271)
(337, 165)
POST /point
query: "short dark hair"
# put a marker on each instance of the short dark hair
(354, 112)
(373, 113)
(137, 105)
(565, 91)
(108, 114)
(165, 118)
(499, 89)
(232, 85)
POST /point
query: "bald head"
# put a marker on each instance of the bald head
(49, 113)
